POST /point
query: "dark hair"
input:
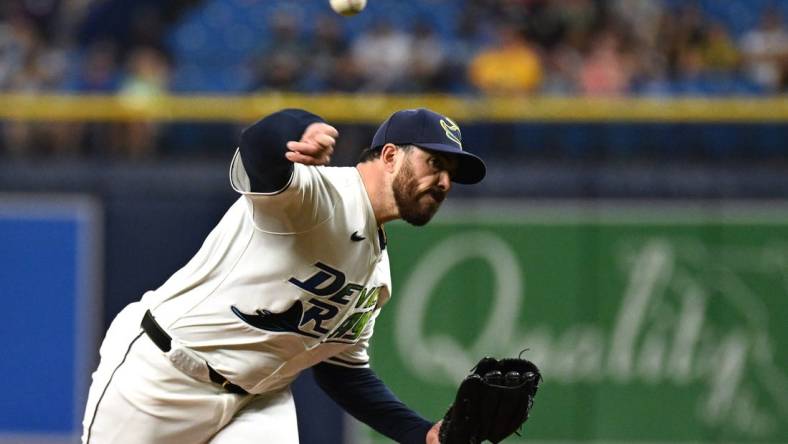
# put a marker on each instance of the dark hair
(370, 154)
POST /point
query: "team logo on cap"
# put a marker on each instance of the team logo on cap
(450, 129)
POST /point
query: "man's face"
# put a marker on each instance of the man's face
(421, 184)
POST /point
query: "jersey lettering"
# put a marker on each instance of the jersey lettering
(342, 296)
(312, 284)
(312, 317)
(319, 312)
(351, 329)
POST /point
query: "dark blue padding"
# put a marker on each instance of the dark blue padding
(264, 144)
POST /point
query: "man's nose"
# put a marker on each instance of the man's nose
(444, 181)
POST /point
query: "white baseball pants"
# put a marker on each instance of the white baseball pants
(138, 396)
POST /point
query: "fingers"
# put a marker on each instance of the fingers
(320, 127)
(309, 148)
(321, 133)
(309, 153)
(297, 157)
(325, 140)
(315, 147)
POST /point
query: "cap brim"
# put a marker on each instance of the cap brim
(470, 168)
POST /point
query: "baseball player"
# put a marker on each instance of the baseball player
(292, 277)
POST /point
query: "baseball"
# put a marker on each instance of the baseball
(348, 7)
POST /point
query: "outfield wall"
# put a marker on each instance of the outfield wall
(652, 322)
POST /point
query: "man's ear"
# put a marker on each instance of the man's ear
(388, 154)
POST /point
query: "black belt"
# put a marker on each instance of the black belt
(164, 342)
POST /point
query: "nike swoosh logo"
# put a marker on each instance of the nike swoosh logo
(355, 237)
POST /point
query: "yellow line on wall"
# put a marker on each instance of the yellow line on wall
(372, 109)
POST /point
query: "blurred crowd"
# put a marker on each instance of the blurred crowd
(556, 47)
(567, 47)
(553, 47)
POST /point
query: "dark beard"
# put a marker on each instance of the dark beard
(407, 198)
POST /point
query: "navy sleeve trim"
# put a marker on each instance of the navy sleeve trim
(264, 144)
(362, 394)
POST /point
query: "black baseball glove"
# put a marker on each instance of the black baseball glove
(492, 402)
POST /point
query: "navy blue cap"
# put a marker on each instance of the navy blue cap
(433, 132)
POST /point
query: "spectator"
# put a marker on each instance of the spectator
(510, 66)
(690, 74)
(765, 51)
(562, 65)
(345, 75)
(281, 64)
(16, 41)
(468, 36)
(328, 48)
(146, 79)
(97, 72)
(606, 70)
(719, 50)
(681, 30)
(280, 72)
(577, 18)
(147, 75)
(28, 65)
(641, 17)
(383, 55)
(428, 58)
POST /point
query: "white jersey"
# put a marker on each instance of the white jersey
(284, 281)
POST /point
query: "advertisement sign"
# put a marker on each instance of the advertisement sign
(665, 325)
